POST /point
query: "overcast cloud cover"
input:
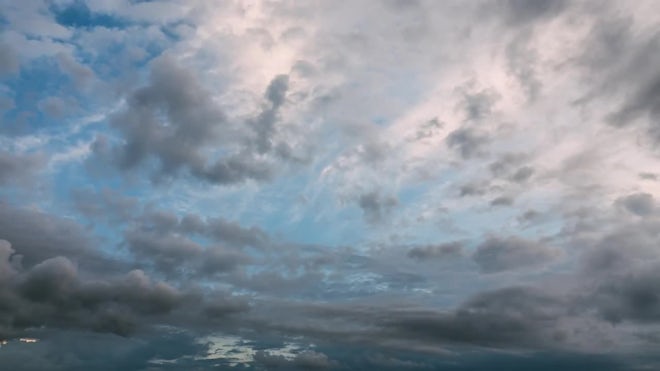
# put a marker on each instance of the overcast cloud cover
(330, 185)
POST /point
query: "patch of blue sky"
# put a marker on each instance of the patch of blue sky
(413, 193)
(4, 22)
(78, 15)
(39, 80)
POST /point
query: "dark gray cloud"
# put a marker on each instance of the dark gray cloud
(172, 119)
(642, 204)
(624, 246)
(502, 201)
(376, 206)
(71, 350)
(38, 236)
(56, 293)
(305, 360)
(171, 244)
(519, 317)
(644, 102)
(179, 256)
(473, 189)
(467, 141)
(52, 293)
(502, 254)
(634, 73)
(511, 316)
(264, 124)
(175, 120)
(218, 229)
(432, 252)
(634, 296)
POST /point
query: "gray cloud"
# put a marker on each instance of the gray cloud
(169, 244)
(635, 74)
(179, 256)
(219, 229)
(518, 317)
(468, 142)
(55, 293)
(442, 251)
(634, 296)
(642, 204)
(52, 293)
(376, 206)
(503, 254)
(472, 189)
(39, 236)
(502, 201)
(523, 174)
(305, 360)
(478, 105)
(9, 62)
(175, 120)
(15, 168)
(264, 124)
(190, 120)
(648, 176)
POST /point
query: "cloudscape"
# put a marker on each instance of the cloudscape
(330, 185)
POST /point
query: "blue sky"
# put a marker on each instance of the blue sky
(329, 185)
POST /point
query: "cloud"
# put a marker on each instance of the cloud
(521, 12)
(171, 244)
(468, 142)
(39, 236)
(458, 186)
(16, 168)
(502, 254)
(176, 120)
(376, 206)
(9, 62)
(442, 251)
(502, 201)
(52, 293)
(55, 293)
(305, 360)
(642, 204)
(188, 122)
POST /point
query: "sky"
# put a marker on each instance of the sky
(329, 185)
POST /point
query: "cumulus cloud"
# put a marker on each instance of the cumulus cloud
(176, 121)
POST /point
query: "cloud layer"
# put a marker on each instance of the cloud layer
(329, 185)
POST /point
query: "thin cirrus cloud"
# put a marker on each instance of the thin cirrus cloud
(329, 185)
